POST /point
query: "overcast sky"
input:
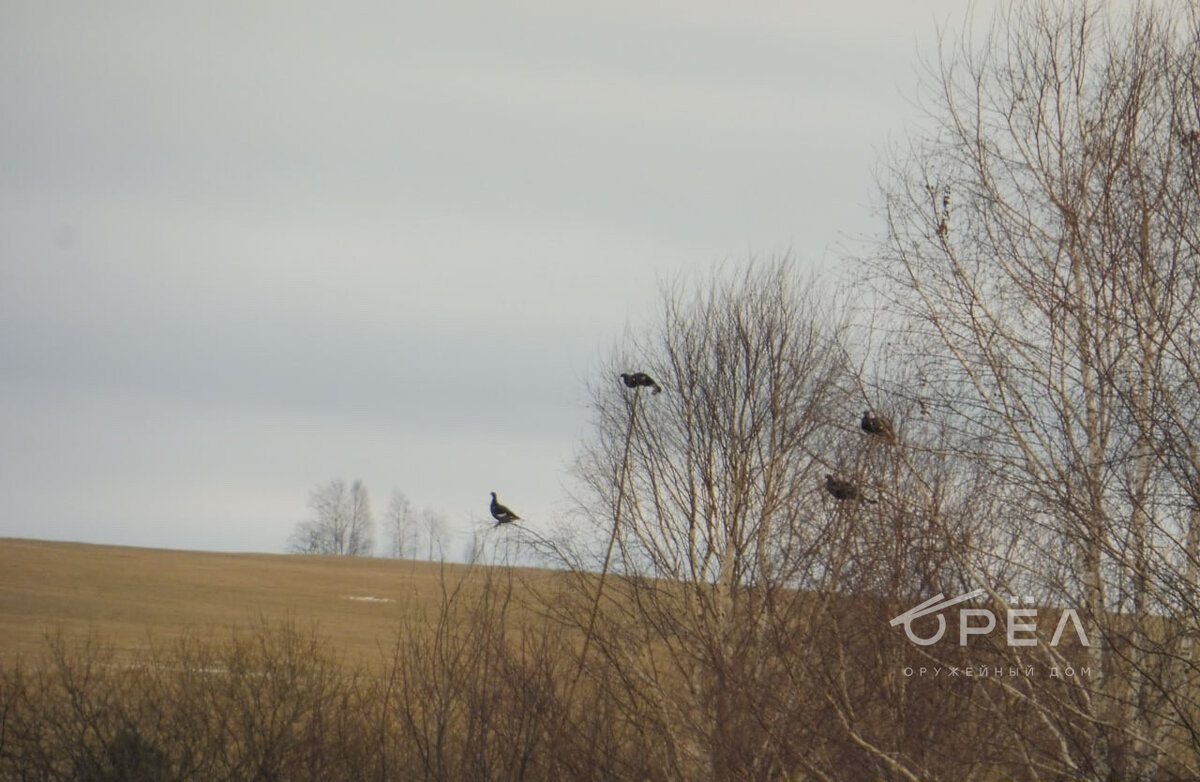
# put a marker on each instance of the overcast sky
(246, 248)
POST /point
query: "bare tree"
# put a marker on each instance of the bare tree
(341, 522)
(433, 528)
(402, 525)
(1042, 260)
(709, 500)
(413, 532)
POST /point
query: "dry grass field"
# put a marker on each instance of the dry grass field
(344, 668)
(130, 597)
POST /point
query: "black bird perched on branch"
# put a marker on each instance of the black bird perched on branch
(878, 426)
(843, 489)
(636, 379)
(501, 514)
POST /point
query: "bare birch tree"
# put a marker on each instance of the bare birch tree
(402, 526)
(433, 526)
(341, 522)
(709, 497)
(1043, 258)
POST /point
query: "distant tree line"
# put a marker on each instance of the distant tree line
(341, 522)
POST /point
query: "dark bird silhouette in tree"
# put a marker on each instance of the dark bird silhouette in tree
(640, 379)
(878, 426)
(501, 514)
(843, 490)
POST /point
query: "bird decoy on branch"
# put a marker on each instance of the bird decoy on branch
(842, 489)
(878, 426)
(501, 514)
(640, 379)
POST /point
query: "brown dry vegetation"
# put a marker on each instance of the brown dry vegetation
(137, 664)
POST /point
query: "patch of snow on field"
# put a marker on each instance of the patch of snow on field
(370, 599)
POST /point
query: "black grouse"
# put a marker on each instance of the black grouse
(879, 426)
(843, 489)
(636, 379)
(501, 514)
